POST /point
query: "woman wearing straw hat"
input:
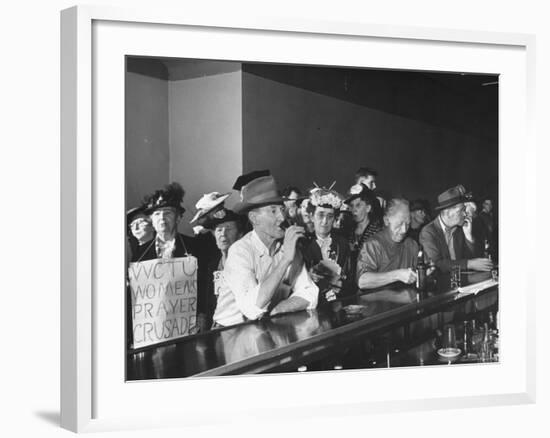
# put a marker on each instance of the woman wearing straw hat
(227, 227)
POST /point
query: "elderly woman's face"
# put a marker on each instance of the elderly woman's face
(165, 220)
(141, 228)
(226, 234)
(359, 210)
(323, 220)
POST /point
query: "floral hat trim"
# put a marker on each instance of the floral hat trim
(323, 197)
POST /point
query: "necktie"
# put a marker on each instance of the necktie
(450, 243)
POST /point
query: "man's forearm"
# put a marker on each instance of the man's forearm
(369, 280)
(291, 304)
(271, 283)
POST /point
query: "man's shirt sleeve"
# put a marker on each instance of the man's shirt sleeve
(367, 261)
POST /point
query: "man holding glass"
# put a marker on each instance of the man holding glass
(448, 240)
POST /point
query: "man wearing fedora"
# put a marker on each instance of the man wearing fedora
(264, 271)
(447, 240)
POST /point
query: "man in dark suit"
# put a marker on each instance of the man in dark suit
(448, 240)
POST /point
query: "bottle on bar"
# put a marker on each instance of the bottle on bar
(466, 338)
(485, 344)
(492, 325)
(486, 249)
(420, 270)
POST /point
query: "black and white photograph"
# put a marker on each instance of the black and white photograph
(302, 218)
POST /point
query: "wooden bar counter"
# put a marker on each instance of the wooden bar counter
(391, 326)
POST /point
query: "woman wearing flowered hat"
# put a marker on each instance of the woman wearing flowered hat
(327, 253)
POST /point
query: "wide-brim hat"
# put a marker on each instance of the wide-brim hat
(134, 212)
(170, 196)
(212, 220)
(360, 191)
(454, 195)
(258, 193)
(209, 203)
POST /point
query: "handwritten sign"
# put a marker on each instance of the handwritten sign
(164, 299)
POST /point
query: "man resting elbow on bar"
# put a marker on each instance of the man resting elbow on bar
(264, 271)
(448, 240)
(389, 255)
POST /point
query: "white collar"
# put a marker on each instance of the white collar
(259, 245)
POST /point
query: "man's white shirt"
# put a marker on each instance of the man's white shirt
(248, 264)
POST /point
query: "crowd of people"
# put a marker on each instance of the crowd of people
(283, 251)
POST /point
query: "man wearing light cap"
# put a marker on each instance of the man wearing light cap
(448, 240)
(264, 271)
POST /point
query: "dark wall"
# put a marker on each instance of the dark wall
(422, 132)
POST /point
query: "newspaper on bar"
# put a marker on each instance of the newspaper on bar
(477, 287)
(164, 299)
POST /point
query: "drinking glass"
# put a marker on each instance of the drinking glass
(449, 336)
(455, 276)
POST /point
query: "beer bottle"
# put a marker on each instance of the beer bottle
(466, 339)
(420, 270)
(486, 249)
(492, 325)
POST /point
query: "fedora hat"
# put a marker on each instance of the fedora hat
(209, 203)
(256, 193)
(454, 195)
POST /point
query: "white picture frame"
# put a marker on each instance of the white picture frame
(87, 65)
